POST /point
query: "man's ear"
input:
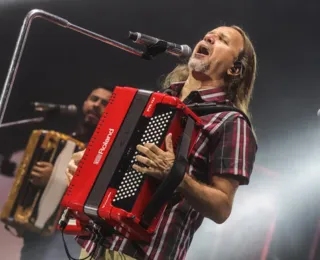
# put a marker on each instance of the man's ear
(236, 69)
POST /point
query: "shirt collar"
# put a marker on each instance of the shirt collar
(207, 95)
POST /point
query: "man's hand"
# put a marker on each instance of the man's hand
(73, 165)
(41, 173)
(158, 162)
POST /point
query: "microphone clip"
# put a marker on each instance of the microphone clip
(153, 50)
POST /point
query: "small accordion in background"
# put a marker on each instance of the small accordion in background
(33, 208)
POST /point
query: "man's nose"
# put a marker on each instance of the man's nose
(96, 104)
(210, 38)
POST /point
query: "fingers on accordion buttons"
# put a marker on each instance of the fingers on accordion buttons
(168, 143)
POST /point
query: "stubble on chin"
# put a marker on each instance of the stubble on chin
(198, 65)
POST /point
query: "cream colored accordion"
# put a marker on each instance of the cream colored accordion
(32, 208)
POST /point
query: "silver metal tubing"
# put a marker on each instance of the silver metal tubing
(24, 31)
(24, 121)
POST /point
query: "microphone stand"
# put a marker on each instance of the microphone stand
(22, 122)
(24, 31)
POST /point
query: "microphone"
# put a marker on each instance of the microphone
(57, 108)
(171, 48)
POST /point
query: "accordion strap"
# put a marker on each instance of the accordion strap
(166, 189)
(202, 109)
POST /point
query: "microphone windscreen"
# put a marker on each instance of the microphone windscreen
(73, 108)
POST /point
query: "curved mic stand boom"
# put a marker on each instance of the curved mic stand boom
(24, 31)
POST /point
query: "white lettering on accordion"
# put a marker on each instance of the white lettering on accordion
(104, 146)
(151, 104)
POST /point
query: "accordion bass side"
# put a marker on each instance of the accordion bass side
(106, 192)
(33, 208)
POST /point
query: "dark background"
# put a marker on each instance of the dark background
(62, 66)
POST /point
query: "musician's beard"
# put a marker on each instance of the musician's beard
(198, 65)
(85, 130)
(89, 127)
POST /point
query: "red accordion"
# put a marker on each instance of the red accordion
(105, 190)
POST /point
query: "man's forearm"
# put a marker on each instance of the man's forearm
(209, 201)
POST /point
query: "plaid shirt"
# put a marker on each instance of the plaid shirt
(225, 146)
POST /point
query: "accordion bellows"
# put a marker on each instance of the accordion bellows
(33, 208)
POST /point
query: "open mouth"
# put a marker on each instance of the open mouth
(203, 50)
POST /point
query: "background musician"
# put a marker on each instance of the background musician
(222, 68)
(39, 247)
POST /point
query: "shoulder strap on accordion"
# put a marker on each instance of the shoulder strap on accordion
(202, 109)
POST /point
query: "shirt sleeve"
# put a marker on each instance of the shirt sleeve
(232, 152)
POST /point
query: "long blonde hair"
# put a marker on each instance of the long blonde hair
(238, 88)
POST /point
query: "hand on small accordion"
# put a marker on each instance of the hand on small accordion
(73, 165)
(158, 162)
(41, 173)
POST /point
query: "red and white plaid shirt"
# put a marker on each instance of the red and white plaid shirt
(225, 146)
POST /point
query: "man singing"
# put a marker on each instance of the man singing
(39, 247)
(222, 68)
